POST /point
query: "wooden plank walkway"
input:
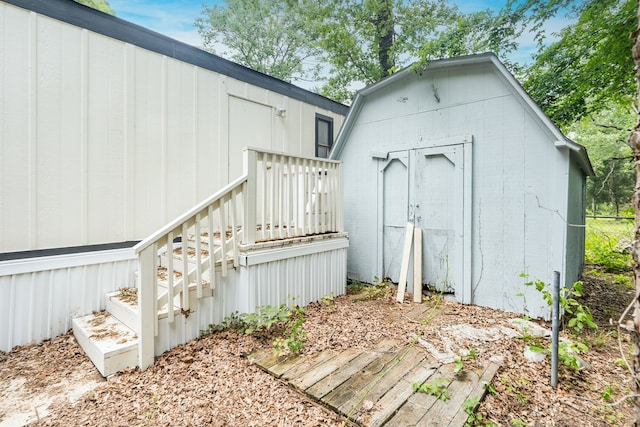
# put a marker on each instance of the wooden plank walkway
(375, 387)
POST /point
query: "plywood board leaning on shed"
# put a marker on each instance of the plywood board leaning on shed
(406, 258)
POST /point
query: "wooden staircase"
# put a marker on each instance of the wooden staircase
(284, 204)
(110, 337)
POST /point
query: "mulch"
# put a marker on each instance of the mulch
(210, 381)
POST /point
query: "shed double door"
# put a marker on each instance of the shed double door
(426, 187)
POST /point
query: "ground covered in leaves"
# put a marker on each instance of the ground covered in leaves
(210, 381)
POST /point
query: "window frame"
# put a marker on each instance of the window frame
(329, 121)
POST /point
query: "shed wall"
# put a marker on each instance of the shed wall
(519, 190)
(103, 141)
(576, 220)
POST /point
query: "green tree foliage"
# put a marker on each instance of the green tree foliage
(364, 41)
(588, 67)
(102, 5)
(354, 42)
(269, 36)
(583, 81)
(605, 135)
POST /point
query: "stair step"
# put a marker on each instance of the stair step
(123, 305)
(110, 344)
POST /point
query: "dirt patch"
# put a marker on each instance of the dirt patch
(209, 381)
(35, 377)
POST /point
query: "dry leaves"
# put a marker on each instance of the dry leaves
(210, 381)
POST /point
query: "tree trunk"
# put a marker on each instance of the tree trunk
(384, 22)
(634, 142)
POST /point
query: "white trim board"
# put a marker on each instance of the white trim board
(275, 254)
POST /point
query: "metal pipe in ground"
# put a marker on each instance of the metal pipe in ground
(555, 329)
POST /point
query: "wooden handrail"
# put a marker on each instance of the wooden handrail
(280, 153)
(187, 215)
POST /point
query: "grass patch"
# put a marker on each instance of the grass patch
(607, 244)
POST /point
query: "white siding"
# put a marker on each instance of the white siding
(40, 296)
(102, 141)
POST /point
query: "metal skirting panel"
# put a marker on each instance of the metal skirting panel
(40, 296)
(300, 280)
(307, 278)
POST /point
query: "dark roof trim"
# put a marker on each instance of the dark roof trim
(93, 20)
(10, 256)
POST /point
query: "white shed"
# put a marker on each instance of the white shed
(461, 151)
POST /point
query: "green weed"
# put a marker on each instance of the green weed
(518, 422)
(490, 388)
(469, 406)
(608, 392)
(354, 287)
(328, 300)
(293, 340)
(611, 416)
(578, 316)
(286, 319)
(459, 365)
(379, 289)
(437, 388)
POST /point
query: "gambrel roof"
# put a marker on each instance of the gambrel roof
(579, 153)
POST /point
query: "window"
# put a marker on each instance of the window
(324, 135)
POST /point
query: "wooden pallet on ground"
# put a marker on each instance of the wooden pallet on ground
(376, 387)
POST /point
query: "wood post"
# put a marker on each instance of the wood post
(147, 306)
(417, 265)
(250, 195)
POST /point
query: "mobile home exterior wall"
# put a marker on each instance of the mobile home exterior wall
(107, 132)
(110, 130)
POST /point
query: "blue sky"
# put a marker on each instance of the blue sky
(175, 18)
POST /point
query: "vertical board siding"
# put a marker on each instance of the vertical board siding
(40, 304)
(15, 159)
(102, 141)
(518, 182)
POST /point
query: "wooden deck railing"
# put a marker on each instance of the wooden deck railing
(278, 197)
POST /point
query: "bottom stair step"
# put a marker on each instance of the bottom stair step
(110, 344)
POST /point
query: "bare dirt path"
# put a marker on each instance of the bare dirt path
(210, 381)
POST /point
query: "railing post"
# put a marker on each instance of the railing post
(147, 306)
(339, 199)
(250, 197)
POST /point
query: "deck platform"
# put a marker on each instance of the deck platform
(375, 387)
